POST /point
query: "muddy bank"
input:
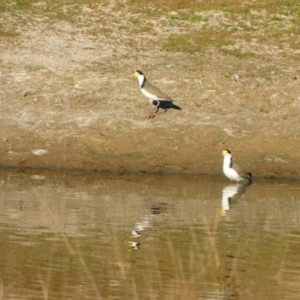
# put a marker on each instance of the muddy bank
(69, 100)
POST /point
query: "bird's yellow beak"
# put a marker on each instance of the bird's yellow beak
(135, 74)
(223, 212)
(224, 152)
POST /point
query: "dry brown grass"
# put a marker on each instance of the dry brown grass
(263, 22)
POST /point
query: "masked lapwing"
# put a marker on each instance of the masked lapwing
(157, 98)
(232, 170)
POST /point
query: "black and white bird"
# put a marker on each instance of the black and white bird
(232, 170)
(157, 98)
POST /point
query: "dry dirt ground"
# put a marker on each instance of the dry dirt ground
(69, 100)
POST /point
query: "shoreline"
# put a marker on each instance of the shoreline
(69, 100)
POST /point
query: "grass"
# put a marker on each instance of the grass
(195, 42)
(194, 26)
(230, 6)
(239, 53)
(7, 33)
(22, 4)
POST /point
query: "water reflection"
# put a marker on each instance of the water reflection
(148, 221)
(138, 230)
(231, 194)
(72, 235)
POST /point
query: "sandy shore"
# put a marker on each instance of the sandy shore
(69, 100)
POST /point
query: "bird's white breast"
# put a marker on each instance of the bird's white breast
(150, 96)
(232, 174)
(228, 171)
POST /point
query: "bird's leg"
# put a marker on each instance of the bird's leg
(151, 111)
(157, 107)
(151, 114)
(155, 110)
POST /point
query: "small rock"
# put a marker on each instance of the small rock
(39, 151)
(38, 177)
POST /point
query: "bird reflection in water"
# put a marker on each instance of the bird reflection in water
(231, 194)
(137, 232)
(139, 228)
(145, 223)
(134, 245)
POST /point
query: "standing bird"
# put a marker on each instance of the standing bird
(232, 170)
(157, 98)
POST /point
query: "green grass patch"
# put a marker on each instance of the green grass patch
(22, 4)
(239, 53)
(134, 21)
(222, 21)
(228, 75)
(179, 17)
(277, 18)
(197, 18)
(229, 6)
(186, 17)
(185, 43)
(3, 7)
(197, 41)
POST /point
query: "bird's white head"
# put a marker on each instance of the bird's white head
(140, 76)
(226, 153)
(137, 73)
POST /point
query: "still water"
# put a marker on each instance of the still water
(101, 236)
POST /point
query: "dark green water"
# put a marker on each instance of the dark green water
(98, 236)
